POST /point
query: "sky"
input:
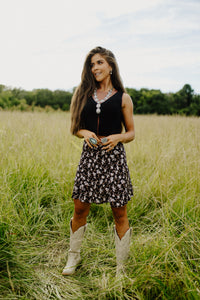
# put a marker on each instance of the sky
(43, 43)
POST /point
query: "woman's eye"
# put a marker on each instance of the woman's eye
(99, 62)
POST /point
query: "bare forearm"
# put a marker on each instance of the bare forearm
(127, 137)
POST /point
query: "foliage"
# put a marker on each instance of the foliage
(29, 100)
(184, 102)
(38, 163)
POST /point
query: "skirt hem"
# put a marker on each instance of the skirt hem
(112, 203)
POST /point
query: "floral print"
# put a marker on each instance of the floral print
(103, 176)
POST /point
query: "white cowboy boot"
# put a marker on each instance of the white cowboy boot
(74, 257)
(122, 249)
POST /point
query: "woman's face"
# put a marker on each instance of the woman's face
(100, 67)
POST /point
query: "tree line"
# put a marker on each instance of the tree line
(146, 101)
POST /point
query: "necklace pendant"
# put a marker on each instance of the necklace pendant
(98, 102)
(98, 110)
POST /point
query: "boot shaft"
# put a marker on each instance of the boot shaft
(76, 237)
(122, 246)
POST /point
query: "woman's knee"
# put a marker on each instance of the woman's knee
(81, 208)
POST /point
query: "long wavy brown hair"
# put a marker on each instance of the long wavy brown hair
(88, 84)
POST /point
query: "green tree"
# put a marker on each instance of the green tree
(187, 94)
(44, 97)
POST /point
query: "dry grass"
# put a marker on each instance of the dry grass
(38, 160)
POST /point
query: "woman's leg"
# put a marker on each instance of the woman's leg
(81, 211)
(121, 220)
(122, 237)
(77, 230)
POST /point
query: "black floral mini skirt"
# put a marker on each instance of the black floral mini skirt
(103, 177)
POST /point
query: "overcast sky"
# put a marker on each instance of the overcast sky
(43, 43)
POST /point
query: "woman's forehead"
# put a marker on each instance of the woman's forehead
(96, 57)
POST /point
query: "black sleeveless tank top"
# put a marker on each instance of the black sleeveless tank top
(110, 119)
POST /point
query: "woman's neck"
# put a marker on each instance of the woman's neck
(105, 85)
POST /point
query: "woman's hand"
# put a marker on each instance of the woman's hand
(86, 134)
(112, 141)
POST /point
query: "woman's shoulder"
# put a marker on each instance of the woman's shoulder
(126, 99)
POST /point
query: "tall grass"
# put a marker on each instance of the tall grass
(38, 160)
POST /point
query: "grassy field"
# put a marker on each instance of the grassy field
(38, 161)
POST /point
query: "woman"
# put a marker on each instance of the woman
(99, 108)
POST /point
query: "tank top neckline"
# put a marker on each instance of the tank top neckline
(107, 99)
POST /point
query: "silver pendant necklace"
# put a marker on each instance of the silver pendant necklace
(98, 105)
